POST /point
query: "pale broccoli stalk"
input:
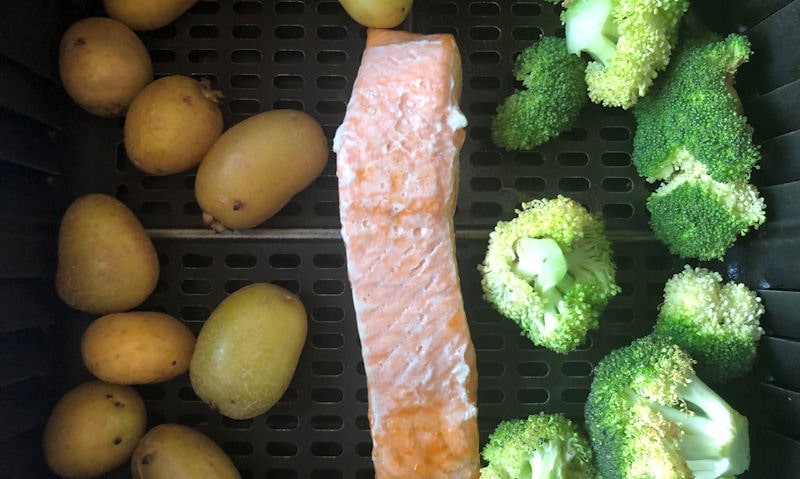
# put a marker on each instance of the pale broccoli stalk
(714, 442)
(551, 271)
(541, 446)
(648, 415)
(716, 322)
(630, 42)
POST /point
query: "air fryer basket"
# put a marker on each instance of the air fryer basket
(265, 54)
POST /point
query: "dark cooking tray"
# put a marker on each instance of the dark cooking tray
(304, 55)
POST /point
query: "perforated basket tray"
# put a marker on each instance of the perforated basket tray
(304, 55)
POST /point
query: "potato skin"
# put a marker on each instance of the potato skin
(175, 451)
(103, 65)
(138, 347)
(106, 261)
(171, 125)
(93, 429)
(248, 349)
(257, 166)
(142, 15)
(378, 13)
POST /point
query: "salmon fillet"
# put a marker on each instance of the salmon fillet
(397, 167)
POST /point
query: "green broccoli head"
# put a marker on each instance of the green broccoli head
(550, 270)
(553, 94)
(542, 446)
(630, 42)
(648, 415)
(716, 323)
(692, 118)
(697, 217)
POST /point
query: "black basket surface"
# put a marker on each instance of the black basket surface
(268, 54)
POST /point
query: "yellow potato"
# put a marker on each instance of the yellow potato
(93, 429)
(147, 14)
(171, 125)
(378, 13)
(175, 451)
(138, 347)
(103, 65)
(257, 166)
(247, 351)
(106, 261)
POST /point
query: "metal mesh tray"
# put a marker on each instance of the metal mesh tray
(304, 55)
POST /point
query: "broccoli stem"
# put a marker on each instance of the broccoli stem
(546, 462)
(553, 298)
(715, 440)
(591, 28)
(540, 261)
(584, 261)
(566, 283)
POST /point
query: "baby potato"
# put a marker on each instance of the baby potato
(378, 13)
(103, 65)
(248, 349)
(175, 451)
(171, 125)
(147, 14)
(257, 166)
(93, 429)
(137, 347)
(106, 260)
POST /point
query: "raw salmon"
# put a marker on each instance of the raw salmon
(397, 166)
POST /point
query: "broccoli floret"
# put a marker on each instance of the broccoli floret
(553, 94)
(697, 217)
(691, 136)
(649, 416)
(550, 270)
(692, 118)
(542, 446)
(630, 42)
(716, 323)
